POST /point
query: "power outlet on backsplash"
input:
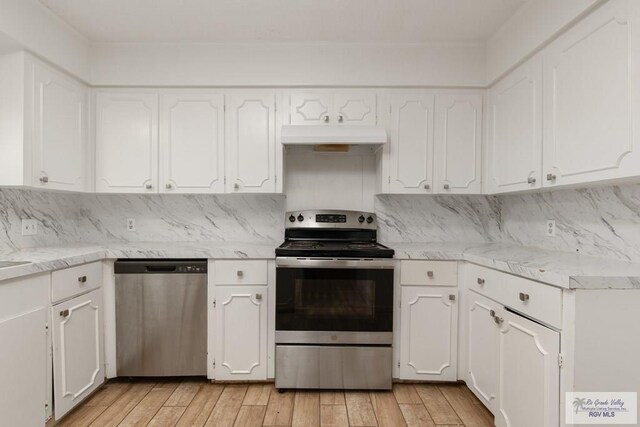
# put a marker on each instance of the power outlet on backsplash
(131, 224)
(551, 228)
(29, 227)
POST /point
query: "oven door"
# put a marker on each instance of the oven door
(334, 301)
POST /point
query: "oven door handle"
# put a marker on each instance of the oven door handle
(361, 264)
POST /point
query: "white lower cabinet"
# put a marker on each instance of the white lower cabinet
(77, 350)
(240, 333)
(529, 373)
(429, 333)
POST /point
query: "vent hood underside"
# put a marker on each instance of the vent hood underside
(317, 135)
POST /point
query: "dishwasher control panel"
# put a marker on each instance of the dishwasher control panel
(191, 269)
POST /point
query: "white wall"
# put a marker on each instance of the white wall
(210, 64)
(534, 24)
(37, 29)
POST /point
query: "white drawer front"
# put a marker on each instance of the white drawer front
(231, 272)
(433, 273)
(535, 299)
(75, 280)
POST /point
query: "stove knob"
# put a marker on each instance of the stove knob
(292, 218)
(300, 218)
(369, 220)
(361, 218)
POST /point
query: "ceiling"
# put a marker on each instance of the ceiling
(375, 21)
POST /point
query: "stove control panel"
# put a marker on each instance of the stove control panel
(331, 219)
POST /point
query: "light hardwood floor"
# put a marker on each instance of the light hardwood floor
(199, 403)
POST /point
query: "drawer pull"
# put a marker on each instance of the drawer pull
(82, 279)
(452, 297)
(551, 177)
(64, 313)
(480, 281)
(524, 297)
(498, 320)
(240, 273)
(430, 274)
(259, 297)
(492, 313)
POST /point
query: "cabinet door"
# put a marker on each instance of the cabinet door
(251, 143)
(355, 109)
(59, 131)
(483, 349)
(428, 333)
(192, 143)
(529, 374)
(311, 108)
(78, 365)
(127, 142)
(23, 353)
(458, 143)
(241, 333)
(514, 154)
(588, 99)
(411, 144)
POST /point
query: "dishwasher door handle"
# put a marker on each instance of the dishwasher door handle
(161, 268)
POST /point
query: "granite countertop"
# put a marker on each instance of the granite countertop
(560, 269)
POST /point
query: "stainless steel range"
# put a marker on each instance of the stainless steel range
(334, 303)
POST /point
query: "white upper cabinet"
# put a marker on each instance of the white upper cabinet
(59, 130)
(192, 143)
(320, 108)
(514, 147)
(589, 95)
(126, 142)
(251, 143)
(458, 143)
(410, 151)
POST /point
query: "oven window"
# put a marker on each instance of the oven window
(338, 298)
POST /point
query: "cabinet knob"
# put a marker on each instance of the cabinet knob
(531, 180)
(446, 186)
(452, 297)
(427, 186)
(44, 179)
(64, 313)
(480, 281)
(524, 297)
(259, 297)
(430, 274)
(82, 279)
(551, 177)
(236, 186)
(168, 186)
(240, 273)
(325, 119)
(148, 186)
(492, 313)
(498, 320)
(340, 118)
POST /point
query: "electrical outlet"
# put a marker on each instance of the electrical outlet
(551, 228)
(131, 224)
(29, 227)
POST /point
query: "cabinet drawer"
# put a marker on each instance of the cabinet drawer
(534, 299)
(434, 273)
(75, 280)
(241, 272)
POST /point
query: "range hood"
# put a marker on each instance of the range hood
(320, 135)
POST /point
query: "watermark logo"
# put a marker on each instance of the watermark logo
(601, 408)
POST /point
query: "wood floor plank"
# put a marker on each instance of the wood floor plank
(406, 393)
(149, 406)
(108, 394)
(184, 393)
(333, 415)
(306, 409)
(416, 415)
(83, 416)
(115, 413)
(228, 406)
(469, 413)
(439, 408)
(279, 409)
(359, 409)
(167, 416)
(257, 394)
(332, 397)
(250, 416)
(201, 406)
(386, 409)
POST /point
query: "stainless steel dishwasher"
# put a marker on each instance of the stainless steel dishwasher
(161, 317)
